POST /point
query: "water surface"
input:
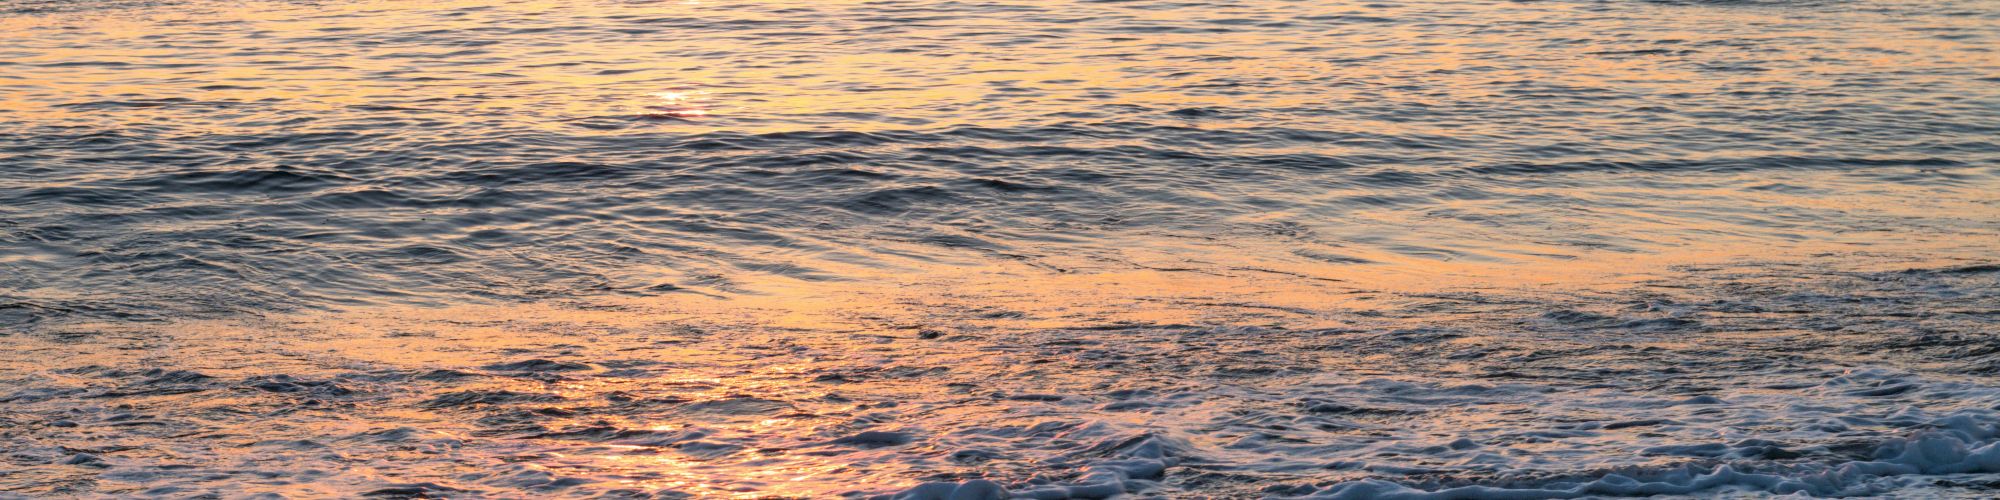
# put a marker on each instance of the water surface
(1246, 248)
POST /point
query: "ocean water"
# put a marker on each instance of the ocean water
(1044, 249)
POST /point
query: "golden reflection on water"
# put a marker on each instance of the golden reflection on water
(543, 81)
(898, 289)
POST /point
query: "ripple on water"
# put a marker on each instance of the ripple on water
(1246, 248)
(1805, 380)
(338, 139)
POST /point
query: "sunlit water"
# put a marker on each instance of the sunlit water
(1053, 249)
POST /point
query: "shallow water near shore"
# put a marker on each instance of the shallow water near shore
(1451, 249)
(1751, 379)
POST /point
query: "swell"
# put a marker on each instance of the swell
(152, 223)
(445, 152)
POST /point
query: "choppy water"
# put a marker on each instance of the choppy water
(1247, 248)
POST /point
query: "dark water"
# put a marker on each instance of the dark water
(1021, 169)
